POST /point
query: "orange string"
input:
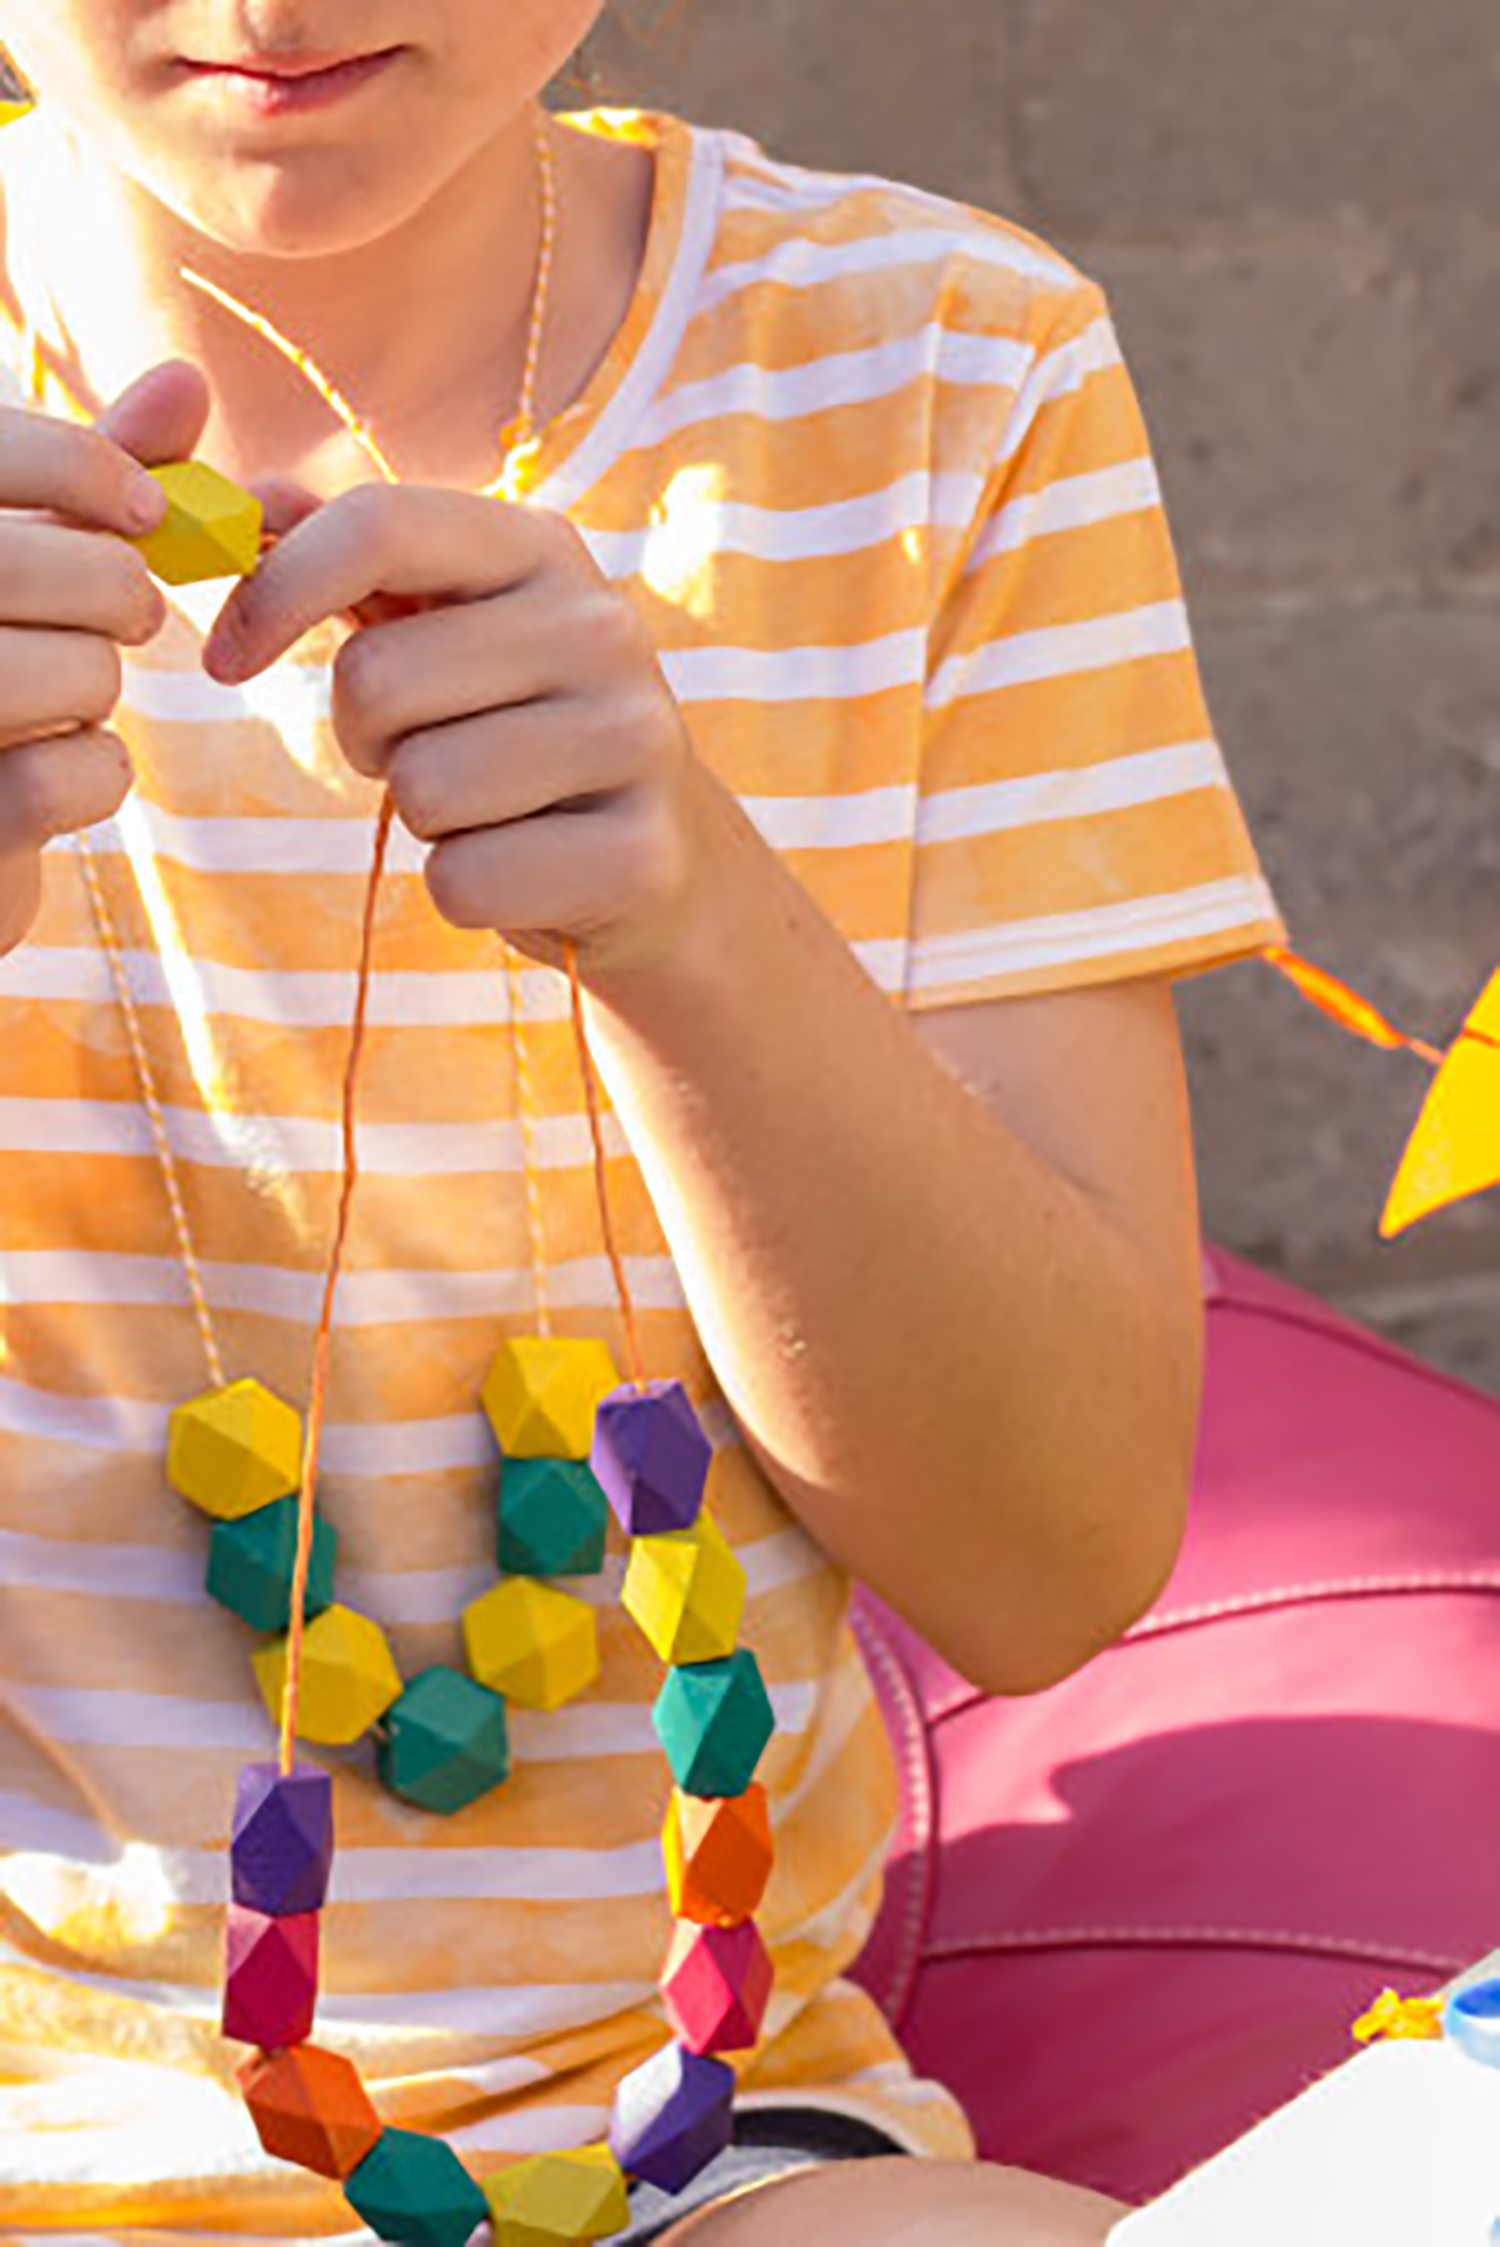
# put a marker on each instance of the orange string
(1348, 1007)
(601, 1175)
(292, 1686)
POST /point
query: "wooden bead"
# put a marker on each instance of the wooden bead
(713, 1719)
(211, 528)
(446, 1742)
(416, 2192)
(718, 1856)
(270, 1977)
(716, 1985)
(234, 1450)
(652, 1458)
(11, 112)
(281, 1853)
(558, 2196)
(541, 1395)
(532, 1643)
(552, 1518)
(349, 1678)
(310, 2107)
(687, 1592)
(251, 1564)
(672, 2117)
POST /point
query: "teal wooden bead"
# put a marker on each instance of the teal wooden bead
(251, 1563)
(552, 1518)
(416, 2192)
(713, 1720)
(446, 1742)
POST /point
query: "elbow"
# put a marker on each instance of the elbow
(1075, 1610)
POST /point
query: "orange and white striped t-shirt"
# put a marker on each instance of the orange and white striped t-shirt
(872, 469)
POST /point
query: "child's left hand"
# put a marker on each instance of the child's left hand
(508, 695)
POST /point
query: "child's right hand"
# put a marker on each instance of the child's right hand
(69, 601)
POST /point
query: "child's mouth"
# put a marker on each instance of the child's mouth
(277, 90)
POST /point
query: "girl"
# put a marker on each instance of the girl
(830, 652)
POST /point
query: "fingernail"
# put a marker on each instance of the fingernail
(146, 503)
(227, 665)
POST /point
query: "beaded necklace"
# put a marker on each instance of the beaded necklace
(576, 1444)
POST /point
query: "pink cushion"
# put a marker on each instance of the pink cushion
(1130, 1916)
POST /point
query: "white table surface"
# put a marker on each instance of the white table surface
(1400, 2148)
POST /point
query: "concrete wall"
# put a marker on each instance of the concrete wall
(1296, 207)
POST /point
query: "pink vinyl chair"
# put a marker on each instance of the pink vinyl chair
(1129, 1917)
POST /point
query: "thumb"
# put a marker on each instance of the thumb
(162, 416)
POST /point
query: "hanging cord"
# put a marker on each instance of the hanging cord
(318, 1389)
(536, 1232)
(601, 1172)
(110, 942)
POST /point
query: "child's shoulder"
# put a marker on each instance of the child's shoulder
(865, 249)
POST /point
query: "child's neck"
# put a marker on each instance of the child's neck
(424, 331)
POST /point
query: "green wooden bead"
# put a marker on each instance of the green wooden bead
(713, 1719)
(416, 2192)
(552, 1518)
(251, 1563)
(446, 1742)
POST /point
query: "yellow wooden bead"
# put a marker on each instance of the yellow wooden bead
(558, 2196)
(541, 1395)
(687, 1592)
(531, 1642)
(235, 1450)
(211, 528)
(11, 112)
(349, 1677)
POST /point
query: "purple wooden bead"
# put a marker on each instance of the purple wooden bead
(651, 1458)
(672, 2117)
(282, 1851)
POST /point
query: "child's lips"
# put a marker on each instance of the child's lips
(275, 89)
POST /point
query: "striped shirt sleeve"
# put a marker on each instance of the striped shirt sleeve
(1075, 821)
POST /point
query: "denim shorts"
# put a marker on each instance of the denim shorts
(769, 2142)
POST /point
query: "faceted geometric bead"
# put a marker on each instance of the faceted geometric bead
(714, 1719)
(672, 2116)
(281, 1852)
(251, 1564)
(652, 1458)
(348, 1677)
(446, 1742)
(234, 1450)
(541, 1395)
(558, 2196)
(211, 528)
(532, 1643)
(719, 1856)
(687, 1592)
(552, 1518)
(270, 1977)
(309, 2106)
(716, 1984)
(416, 2192)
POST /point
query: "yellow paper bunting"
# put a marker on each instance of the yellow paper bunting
(1455, 1150)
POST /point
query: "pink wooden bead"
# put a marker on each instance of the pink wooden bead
(716, 1985)
(270, 1977)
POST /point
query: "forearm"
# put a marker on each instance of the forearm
(958, 1366)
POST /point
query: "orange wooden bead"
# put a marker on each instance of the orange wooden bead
(719, 1855)
(309, 2106)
